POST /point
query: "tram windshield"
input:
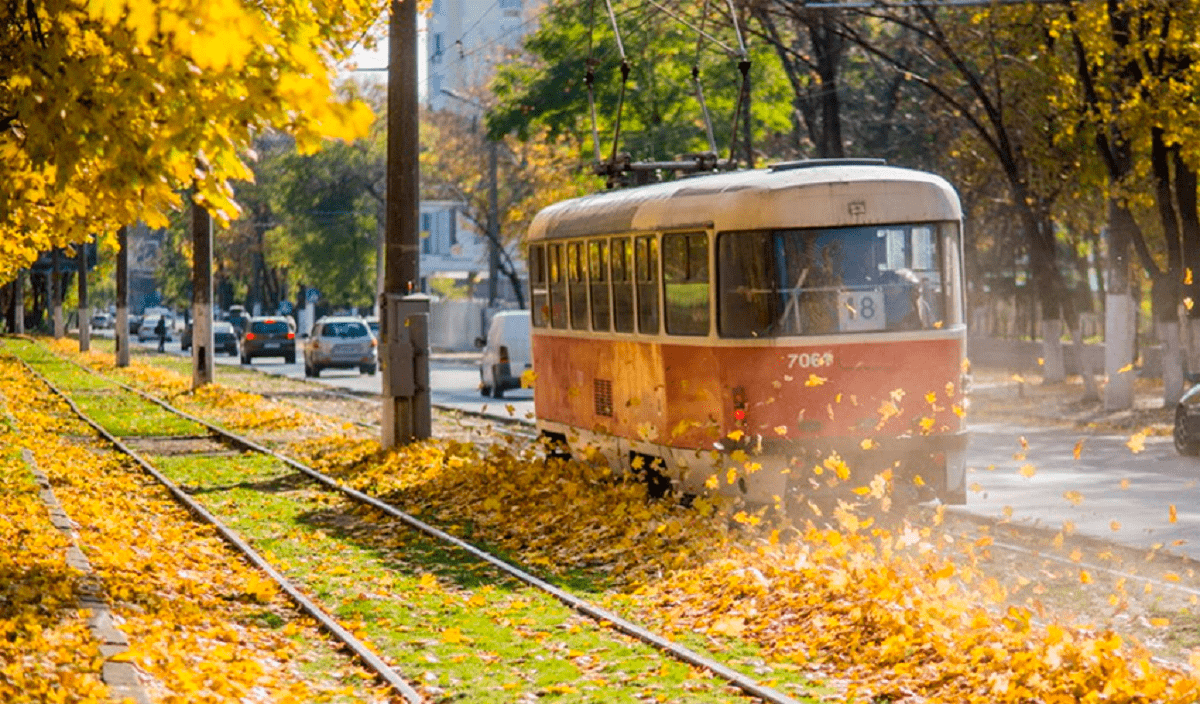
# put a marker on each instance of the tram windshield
(839, 280)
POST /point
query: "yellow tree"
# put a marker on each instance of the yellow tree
(110, 108)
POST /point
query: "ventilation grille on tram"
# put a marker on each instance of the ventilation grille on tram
(602, 389)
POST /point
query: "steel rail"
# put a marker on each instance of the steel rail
(365, 654)
(599, 614)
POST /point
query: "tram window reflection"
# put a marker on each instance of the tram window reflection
(646, 256)
(577, 286)
(538, 294)
(685, 279)
(558, 287)
(622, 284)
(598, 278)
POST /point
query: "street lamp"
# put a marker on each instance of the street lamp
(493, 222)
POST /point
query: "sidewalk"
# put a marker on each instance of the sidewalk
(997, 395)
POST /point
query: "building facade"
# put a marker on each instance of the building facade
(465, 40)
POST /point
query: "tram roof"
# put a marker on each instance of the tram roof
(786, 196)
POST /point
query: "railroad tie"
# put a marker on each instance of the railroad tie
(121, 677)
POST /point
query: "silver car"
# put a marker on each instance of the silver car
(340, 342)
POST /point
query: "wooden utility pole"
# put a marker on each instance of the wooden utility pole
(403, 317)
(85, 316)
(122, 323)
(202, 283)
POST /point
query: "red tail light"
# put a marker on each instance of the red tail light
(291, 336)
(249, 336)
(504, 354)
(739, 406)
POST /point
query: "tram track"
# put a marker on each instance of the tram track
(605, 618)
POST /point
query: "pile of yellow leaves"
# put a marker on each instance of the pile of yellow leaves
(191, 609)
(46, 649)
(890, 612)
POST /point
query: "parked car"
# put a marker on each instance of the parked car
(225, 338)
(506, 353)
(145, 330)
(340, 342)
(135, 322)
(373, 323)
(237, 316)
(273, 336)
(1187, 419)
(100, 321)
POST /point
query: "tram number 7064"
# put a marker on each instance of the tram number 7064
(809, 360)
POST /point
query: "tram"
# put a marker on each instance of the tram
(760, 333)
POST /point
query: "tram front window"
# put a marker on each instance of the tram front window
(839, 280)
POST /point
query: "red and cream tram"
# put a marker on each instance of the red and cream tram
(758, 332)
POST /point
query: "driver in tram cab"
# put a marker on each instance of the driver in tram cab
(920, 314)
(904, 300)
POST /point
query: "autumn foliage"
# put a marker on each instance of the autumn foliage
(110, 109)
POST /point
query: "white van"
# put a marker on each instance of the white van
(506, 353)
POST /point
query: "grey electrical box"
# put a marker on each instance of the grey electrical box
(404, 329)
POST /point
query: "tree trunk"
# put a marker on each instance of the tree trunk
(1090, 391)
(1054, 368)
(1172, 361)
(19, 303)
(1120, 321)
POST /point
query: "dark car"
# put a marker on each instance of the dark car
(1187, 419)
(224, 338)
(273, 336)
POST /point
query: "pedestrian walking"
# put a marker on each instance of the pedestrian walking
(161, 330)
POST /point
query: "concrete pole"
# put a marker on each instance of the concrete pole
(19, 303)
(56, 293)
(122, 323)
(85, 315)
(406, 407)
(202, 283)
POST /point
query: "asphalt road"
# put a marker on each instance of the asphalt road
(1109, 492)
(454, 383)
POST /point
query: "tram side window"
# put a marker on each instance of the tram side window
(558, 287)
(622, 284)
(577, 285)
(746, 282)
(952, 281)
(685, 279)
(537, 286)
(646, 256)
(598, 278)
